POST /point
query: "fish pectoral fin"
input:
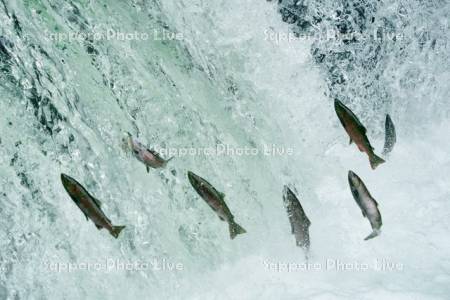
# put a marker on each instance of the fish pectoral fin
(221, 218)
(87, 218)
(364, 214)
(148, 169)
(350, 142)
(98, 227)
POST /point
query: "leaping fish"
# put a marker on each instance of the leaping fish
(365, 201)
(298, 219)
(89, 205)
(215, 200)
(390, 136)
(150, 158)
(357, 132)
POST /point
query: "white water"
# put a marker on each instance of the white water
(224, 82)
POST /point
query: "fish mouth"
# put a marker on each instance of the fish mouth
(65, 178)
(125, 144)
(193, 179)
(288, 195)
(353, 178)
(67, 181)
(338, 105)
(286, 190)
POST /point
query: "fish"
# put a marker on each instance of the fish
(390, 136)
(150, 158)
(215, 200)
(366, 203)
(298, 219)
(89, 205)
(357, 132)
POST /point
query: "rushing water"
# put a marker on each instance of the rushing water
(75, 76)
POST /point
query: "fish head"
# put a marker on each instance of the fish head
(67, 180)
(339, 106)
(388, 119)
(125, 144)
(353, 179)
(288, 196)
(70, 184)
(287, 192)
(194, 179)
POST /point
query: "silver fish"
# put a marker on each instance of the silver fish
(215, 200)
(390, 136)
(365, 201)
(298, 219)
(150, 158)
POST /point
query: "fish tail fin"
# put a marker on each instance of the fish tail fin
(374, 233)
(236, 229)
(375, 161)
(116, 231)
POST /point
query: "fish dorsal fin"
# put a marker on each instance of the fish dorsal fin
(222, 195)
(97, 202)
